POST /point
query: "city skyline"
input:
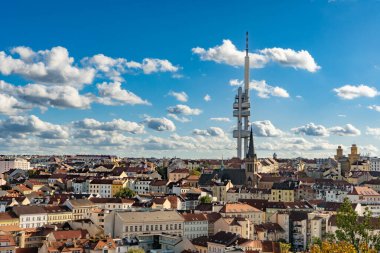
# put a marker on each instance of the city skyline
(109, 79)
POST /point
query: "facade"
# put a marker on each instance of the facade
(243, 210)
(81, 208)
(195, 225)
(374, 164)
(132, 224)
(31, 216)
(58, 214)
(284, 191)
(7, 244)
(17, 163)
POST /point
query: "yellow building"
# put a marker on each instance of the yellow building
(58, 214)
(283, 192)
(219, 190)
(243, 210)
(117, 185)
(8, 219)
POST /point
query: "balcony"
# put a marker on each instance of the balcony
(244, 105)
(243, 133)
(244, 113)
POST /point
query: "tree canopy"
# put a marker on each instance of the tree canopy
(125, 193)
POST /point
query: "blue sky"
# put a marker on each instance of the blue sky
(130, 77)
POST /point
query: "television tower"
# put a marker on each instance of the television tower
(241, 109)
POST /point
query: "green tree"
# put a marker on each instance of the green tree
(206, 199)
(136, 250)
(125, 193)
(357, 231)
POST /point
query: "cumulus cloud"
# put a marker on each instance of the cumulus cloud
(56, 80)
(211, 131)
(114, 125)
(180, 96)
(183, 110)
(297, 144)
(113, 93)
(374, 107)
(236, 82)
(52, 67)
(221, 119)
(207, 98)
(265, 128)
(312, 130)
(22, 126)
(227, 53)
(263, 89)
(290, 58)
(9, 105)
(351, 91)
(160, 124)
(373, 132)
(55, 96)
(178, 118)
(346, 130)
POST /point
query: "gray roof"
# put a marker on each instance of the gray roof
(150, 216)
(237, 176)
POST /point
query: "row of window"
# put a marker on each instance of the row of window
(153, 227)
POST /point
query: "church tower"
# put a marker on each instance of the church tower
(251, 175)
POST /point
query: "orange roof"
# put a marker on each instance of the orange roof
(238, 208)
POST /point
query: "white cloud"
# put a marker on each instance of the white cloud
(374, 107)
(23, 126)
(180, 96)
(113, 93)
(312, 130)
(221, 119)
(111, 67)
(290, 58)
(346, 130)
(265, 128)
(211, 131)
(160, 124)
(184, 110)
(114, 125)
(207, 98)
(236, 82)
(296, 144)
(150, 65)
(265, 90)
(177, 118)
(373, 132)
(352, 91)
(52, 67)
(9, 105)
(227, 53)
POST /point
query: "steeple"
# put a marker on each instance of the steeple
(251, 148)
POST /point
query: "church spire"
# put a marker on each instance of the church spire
(251, 148)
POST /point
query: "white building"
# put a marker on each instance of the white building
(195, 225)
(374, 164)
(103, 187)
(31, 216)
(142, 186)
(132, 224)
(16, 163)
(80, 185)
